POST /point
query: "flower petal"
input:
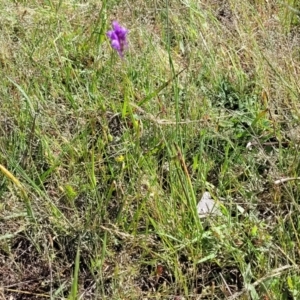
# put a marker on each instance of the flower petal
(116, 45)
(112, 35)
(117, 37)
(116, 25)
(119, 30)
(122, 34)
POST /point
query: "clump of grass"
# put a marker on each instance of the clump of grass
(114, 154)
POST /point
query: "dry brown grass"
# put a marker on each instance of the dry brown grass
(106, 177)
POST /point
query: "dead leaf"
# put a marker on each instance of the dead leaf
(207, 206)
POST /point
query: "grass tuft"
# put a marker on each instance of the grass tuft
(103, 160)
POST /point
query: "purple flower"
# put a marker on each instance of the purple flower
(118, 37)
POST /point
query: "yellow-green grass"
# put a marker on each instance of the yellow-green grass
(103, 160)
